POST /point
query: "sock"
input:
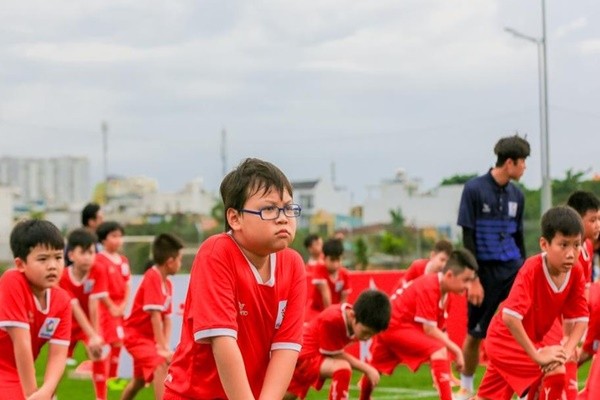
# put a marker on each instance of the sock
(366, 388)
(99, 369)
(466, 382)
(115, 352)
(340, 382)
(532, 393)
(571, 387)
(553, 387)
(441, 376)
(593, 381)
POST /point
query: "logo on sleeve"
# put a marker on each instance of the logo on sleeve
(280, 313)
(243, 311)
(49, 327)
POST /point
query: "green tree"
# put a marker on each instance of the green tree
(361, 253)
(457, 179)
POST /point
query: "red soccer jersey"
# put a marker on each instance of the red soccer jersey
(19, 308)
(586, 259)
(537, 302)
(93, 285)
(227, 297)
(337, 285)
(420, 302)
(328, 333)
(153, 294)
(116, 270)
(415, 269)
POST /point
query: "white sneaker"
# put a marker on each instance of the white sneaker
(463, 394)
(71, 362)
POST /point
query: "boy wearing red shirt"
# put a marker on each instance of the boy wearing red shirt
(243, 315)
(330, 280)
(435, 263)
(323, 355)
(416, 332)
(85, 286)
(34, 311)
(548, 286)
(115, 268)
(148, 327)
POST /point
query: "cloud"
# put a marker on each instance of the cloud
(572, 26)
(589, 47)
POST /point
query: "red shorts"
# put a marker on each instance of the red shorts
(112, 329)
(306, 374)
(13, 392)
(406, 345)
(145, 357)
(592, 337)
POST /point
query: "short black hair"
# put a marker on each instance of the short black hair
(372, 308)
(444, 246)
(90, 211)
(582, 202)
(83, 238)
(333, 248)
(308, 241)
(105, 228)
(459, 260)
(165, 246)
(561, 219)
(513, 147)
(30, 233)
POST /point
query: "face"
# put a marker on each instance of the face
(316, 248)
(333, 264)
(93, 223)
(362, 332)
(561, 252)
(113, 241)
(438, 261)
(43, 267)
(591, 224)
(257, 235)
(82, 258)
(459, 283)
(174, 263)
(516, 169)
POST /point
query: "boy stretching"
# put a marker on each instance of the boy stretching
(323, 354)
(416, 332)
(34, 311)
(550, 285)
(243, 314)
(435, 263)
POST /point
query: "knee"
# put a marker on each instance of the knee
(441, 354)
(342, 365)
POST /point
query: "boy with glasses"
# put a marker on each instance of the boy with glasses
(243, 314)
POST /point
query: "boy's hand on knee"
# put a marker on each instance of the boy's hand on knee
(550, 354)
(373, 375)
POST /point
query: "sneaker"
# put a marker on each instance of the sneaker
(116, 384)
(463, 394)
(71, 362)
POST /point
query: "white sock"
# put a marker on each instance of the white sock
(466, 382)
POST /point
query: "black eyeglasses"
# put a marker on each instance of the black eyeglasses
(272, 212)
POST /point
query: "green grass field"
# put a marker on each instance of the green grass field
(402, 385)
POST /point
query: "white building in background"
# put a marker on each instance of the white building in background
(6, 221)
(55, 182)
(320, 195)
(436, 208)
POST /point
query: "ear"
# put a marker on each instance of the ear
(20, 264)
(544, 244)
(234, 218)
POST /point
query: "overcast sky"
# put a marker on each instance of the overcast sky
(370, 86)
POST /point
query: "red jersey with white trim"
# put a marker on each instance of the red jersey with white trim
(536, 300)
(328, 333)
(337, 285)
(93, 285)
(420, 302)
(153, 294)
(415, 269)
(19, 308)
(227, 297)
(117, 272)
(586, 259)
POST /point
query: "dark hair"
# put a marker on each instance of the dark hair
(83, 238)
(90, 211)
(105, 228)
(583, 202)
(310, 239)
(248, 178)
(164, 247)
(513, 147)
(443, 245)
(28, 234)
(461, 259)
(561, 219)
(333, 248)
(373, 309)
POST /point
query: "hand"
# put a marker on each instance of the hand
(94, 347)
(40, 394)
(476, 293)
(165, 353)
(459, 361)
(372, 375)
(550, 354)
(550, 367)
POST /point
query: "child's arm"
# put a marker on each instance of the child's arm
(167, 329)
(279, 374)
(573, 331)
(362, 366)
(437, 333)
(121, 307)
(55, 366)
(21, 340)
(344, 296)
(94, 313)
(158, 328)
(325, 293)
(545, 355)
(95, 341)
(230, 366)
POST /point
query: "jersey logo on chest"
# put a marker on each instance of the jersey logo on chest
(49, 327)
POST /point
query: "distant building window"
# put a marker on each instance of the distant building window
(306, 201)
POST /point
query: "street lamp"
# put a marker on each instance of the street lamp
(546, 195)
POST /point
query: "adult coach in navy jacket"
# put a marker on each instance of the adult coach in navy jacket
(491, 216)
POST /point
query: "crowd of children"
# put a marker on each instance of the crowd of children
(259, 323)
